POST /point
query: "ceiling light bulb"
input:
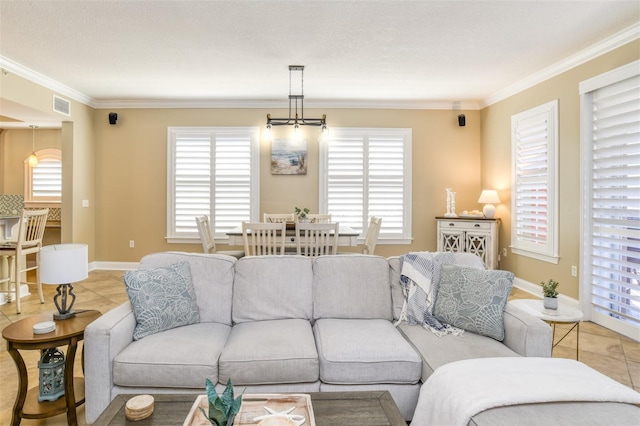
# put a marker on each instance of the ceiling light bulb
(324, 133)
(296, 131)
(267, 132)
(33, 159)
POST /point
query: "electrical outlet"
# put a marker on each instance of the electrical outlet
(574, 271)
(132, 244)
(504, 252)
(85, 203)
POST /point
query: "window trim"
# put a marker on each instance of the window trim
(29, 199)
(366, 132)
(253, 132)
(550, 251)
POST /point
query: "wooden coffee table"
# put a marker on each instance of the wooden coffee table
(372, 408)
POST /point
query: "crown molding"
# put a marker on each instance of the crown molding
(262, 104)
(613, 42)
(34, 76)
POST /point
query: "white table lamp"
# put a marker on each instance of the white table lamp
(489, 197)
(63, 264)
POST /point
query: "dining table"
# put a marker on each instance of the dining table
(346, 236)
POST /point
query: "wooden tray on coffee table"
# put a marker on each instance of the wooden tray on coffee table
(253, 406)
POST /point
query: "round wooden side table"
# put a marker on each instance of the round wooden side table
(69, 332)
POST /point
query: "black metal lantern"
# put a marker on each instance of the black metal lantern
(51, 367)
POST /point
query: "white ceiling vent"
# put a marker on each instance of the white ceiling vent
(61, 105)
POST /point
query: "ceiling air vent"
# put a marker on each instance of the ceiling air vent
(61, 105)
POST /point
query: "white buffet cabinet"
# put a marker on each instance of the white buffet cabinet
(470, 235)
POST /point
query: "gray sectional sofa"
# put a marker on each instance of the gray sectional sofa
(287, 324)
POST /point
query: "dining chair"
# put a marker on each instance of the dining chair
(277, 217)
(262, 238)
(208, 241)
(371, 238)
(30, 233)
(319, 218)
(317, 239)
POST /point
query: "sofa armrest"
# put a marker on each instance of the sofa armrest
(526, 334)
(103, 340)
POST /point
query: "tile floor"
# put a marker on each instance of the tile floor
(608, 352)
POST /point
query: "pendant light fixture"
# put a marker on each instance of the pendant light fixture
(33, 158)
(296, 108)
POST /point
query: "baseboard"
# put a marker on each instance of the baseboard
(536, 290)
(24, 292)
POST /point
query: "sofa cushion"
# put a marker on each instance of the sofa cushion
(211, 274)
(272, 288)
(355, 287)
(437, 351)
(268, 352)
(364, 351)
(181, 357)
(473, 299)
(162, 298)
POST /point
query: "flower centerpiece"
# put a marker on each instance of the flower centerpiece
(222, 410)
(301, 213)
(550, 292)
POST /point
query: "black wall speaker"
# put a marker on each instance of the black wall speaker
(462, 120)
(113, 117)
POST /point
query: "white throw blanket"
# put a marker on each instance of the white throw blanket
(459, 390)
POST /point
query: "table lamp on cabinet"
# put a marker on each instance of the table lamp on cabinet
(63, 264)
(489, 197)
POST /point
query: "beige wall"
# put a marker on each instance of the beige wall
(131, 171)
(78, 162)
(496, 164)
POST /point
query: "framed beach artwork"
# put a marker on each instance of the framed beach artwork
(289, 157)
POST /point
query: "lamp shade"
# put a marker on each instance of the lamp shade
(64, 263)
(489, 196)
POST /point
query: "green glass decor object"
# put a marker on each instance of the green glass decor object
(222, 410)
(51, 367)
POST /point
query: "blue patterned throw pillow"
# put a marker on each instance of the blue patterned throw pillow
(473, 299)
(162, 298)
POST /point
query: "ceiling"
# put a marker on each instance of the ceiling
(355, 52)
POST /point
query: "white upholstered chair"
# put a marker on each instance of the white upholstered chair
(30, 233)
(207, 239)
(262, 238)
(277, 217)
(317, 239)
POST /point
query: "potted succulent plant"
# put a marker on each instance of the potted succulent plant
(550, 292)
(222, 410)
(301, 213)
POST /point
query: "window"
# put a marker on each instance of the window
(43, 183)
(610, 255)
(534, 205)
(364, 173)
(212, 171)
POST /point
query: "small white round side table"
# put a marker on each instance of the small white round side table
(563, 314)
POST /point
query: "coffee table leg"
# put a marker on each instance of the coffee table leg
(69, 393)
(22, 384)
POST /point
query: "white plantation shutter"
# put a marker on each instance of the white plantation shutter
(534, 206)
(367, 172)
(47, 180)
(211, 172)
(611, 160)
